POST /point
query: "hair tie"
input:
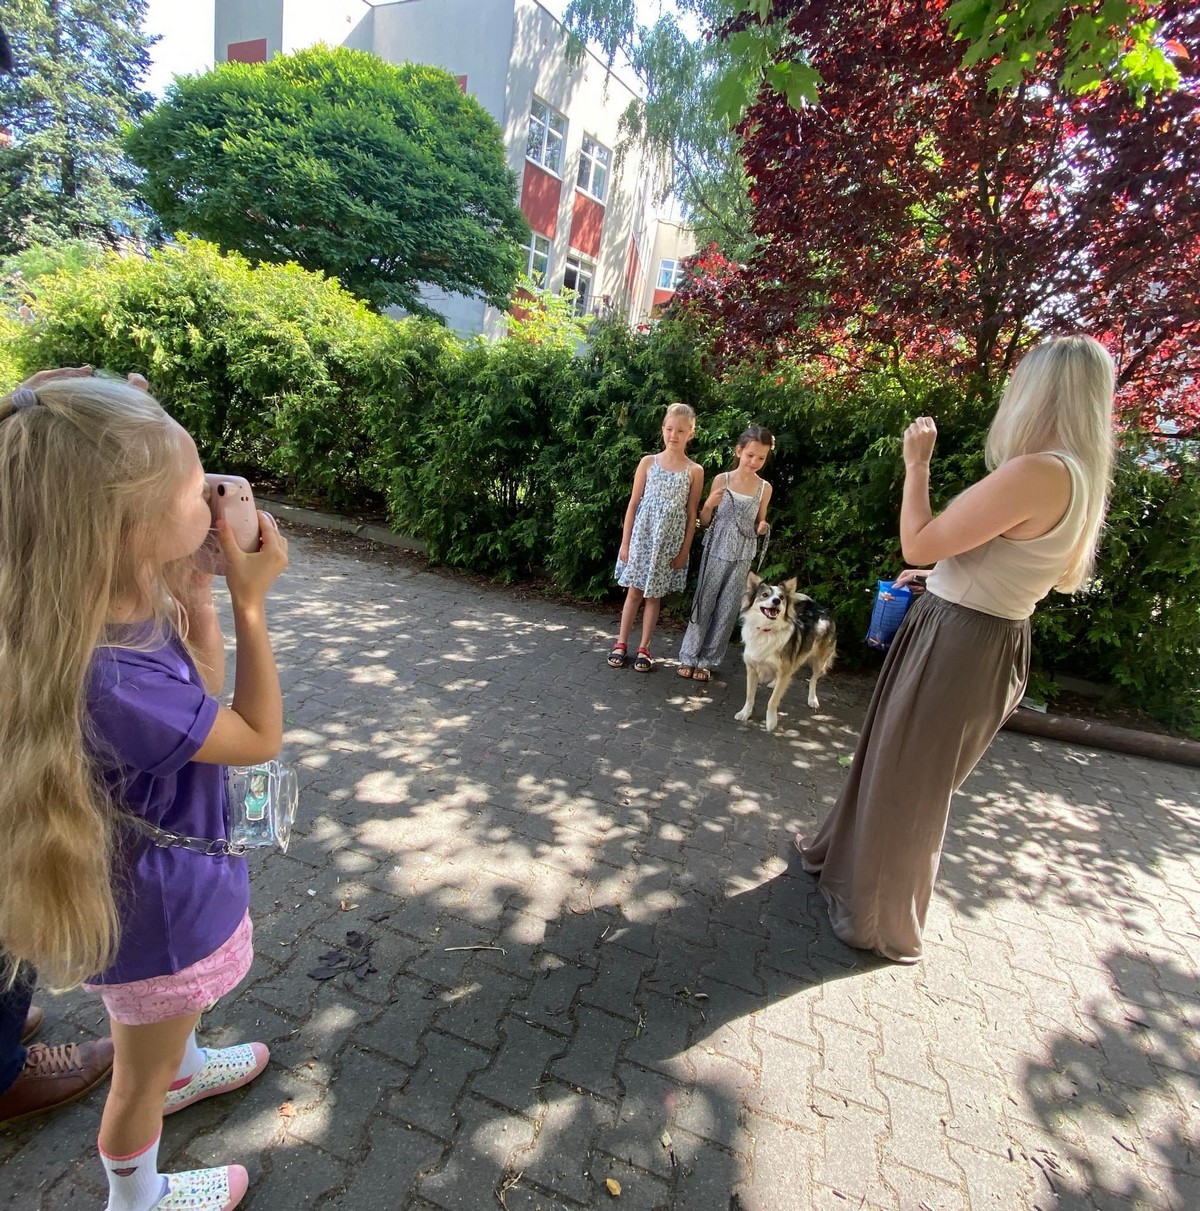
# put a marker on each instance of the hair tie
(22, 398)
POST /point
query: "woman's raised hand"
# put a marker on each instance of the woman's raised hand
(918, 441)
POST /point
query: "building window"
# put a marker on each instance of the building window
(593, 168)
(670, 274)
(538, 267)
(578, 277)
(547, 130)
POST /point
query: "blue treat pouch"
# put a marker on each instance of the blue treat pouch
(891, 604)
(262, 803)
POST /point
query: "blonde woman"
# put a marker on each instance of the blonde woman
(958, 666)
(110, 655)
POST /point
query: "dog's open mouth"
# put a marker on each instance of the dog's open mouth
(769, 611)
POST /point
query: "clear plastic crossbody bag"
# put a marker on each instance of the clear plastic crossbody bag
(261, 801)
(260, 809)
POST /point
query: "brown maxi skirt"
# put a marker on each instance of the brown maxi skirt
(951, 678)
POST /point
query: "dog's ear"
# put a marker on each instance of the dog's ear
(789, 586)
(752, 583)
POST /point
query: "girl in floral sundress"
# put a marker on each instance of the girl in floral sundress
(736, 516)
(660, 522)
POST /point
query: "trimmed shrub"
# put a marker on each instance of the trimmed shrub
(518, 455)
(266, 367)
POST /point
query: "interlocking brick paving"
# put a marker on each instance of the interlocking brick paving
(600, 960)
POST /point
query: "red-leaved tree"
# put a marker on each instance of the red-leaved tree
(914, 215)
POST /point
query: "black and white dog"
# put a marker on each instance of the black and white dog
(782, 631)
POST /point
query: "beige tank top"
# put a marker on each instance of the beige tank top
(1007, 577)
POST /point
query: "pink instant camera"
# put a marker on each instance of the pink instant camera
(229, 496)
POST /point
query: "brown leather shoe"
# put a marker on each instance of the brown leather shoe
(54, 1076)
(33, 1023)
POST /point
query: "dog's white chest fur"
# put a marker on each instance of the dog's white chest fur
(762, 646)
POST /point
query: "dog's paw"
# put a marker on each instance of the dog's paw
(772, 721)
(812, 701)
(744, 714)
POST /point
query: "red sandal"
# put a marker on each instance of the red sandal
(619, 656)
(644, 662)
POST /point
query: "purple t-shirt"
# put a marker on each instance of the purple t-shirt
(149, 714)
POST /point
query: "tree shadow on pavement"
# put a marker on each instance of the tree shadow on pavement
(591, 955)
(1138, 1073)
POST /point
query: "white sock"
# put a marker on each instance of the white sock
(193, 1060)
(134, 1182)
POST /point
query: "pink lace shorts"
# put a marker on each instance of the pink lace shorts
(192, 990)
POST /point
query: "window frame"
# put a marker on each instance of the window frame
(676, 264)
(547, 129)
(594, 164)
(586, 268)
(532, 250)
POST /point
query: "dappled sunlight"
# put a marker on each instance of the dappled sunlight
(586, 928)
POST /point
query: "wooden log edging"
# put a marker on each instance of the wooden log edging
(1105, 736)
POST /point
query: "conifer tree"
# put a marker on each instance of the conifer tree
(78, 67)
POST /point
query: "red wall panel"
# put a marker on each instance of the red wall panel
(587, 222)
(254, 51)
(540, 194)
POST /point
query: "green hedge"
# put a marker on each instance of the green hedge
(516, 457)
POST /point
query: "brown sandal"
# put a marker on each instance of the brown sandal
(684, 670)
(701, 675)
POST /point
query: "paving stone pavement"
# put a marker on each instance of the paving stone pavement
(594, 956)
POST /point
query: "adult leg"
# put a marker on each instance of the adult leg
(878, 852)
(40, 1078)
(14, 1007)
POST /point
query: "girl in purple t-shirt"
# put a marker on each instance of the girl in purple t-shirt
(111, 654)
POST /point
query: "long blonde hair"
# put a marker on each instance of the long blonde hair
(88, 468)
(1060, 397)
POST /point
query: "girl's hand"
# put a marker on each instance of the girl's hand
(762, 528)
(914, 578)
(680, 561)
(42, 377)
(918, 441)
(623, 553)
(250, 574)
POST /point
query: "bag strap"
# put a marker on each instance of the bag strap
(211, 847)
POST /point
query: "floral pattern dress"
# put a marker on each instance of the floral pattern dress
(658, 529)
